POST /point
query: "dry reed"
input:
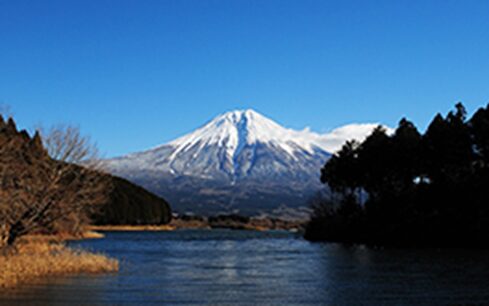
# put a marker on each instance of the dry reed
(37, 259)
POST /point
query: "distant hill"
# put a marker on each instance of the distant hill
(127, 203)
(133, 205)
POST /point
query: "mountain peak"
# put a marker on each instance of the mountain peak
(238, 113)
(237, 129)
(239, 117)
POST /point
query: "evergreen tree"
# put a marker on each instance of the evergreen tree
(375, 161)
(342, 172)
(479, 128)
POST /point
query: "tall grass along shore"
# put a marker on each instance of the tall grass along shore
(37, 258)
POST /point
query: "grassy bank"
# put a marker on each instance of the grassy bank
(37, 258)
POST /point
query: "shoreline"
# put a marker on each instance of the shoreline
(196, 222)
(128, 228)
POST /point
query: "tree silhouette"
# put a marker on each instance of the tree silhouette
(426, 189)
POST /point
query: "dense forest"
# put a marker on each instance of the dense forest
(408, 188)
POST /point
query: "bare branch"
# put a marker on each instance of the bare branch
(66, 144)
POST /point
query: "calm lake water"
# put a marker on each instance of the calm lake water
(223, 267)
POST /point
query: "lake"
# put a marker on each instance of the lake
(224, 267)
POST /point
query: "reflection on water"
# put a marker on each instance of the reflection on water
(256, 268)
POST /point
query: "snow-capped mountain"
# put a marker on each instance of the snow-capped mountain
(239, 162)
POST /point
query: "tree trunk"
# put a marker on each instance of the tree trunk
(4, 229)
(13, 233)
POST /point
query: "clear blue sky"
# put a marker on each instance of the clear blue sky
(134, 74)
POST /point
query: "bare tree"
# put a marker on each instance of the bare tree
(43, 188)
(65, 143)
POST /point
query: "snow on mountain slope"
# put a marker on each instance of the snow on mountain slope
(236, 129)
(238, 155)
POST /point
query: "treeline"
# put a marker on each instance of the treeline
(130, 204)
(408, 188)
